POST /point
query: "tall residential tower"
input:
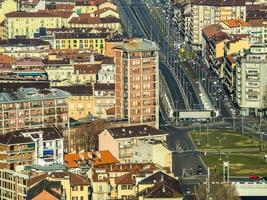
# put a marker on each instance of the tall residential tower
(137, 82)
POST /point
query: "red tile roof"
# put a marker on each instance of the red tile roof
(87, 68)
(236, 23)
(125, 179)
(97, 158)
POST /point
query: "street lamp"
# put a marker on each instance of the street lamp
(220, 147)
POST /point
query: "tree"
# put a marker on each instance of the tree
(218, 191)
(86, 135)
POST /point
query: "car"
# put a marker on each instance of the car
(187, 191)
(254, 177)
(199, 170)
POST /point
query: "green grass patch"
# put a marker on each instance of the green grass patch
(240, 164)
(232, 140)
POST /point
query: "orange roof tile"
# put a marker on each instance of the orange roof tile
(232, 23)
(4, 59)
(125, 179)
(97, 158)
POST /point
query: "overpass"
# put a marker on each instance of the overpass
(182, 93)
(246, 189)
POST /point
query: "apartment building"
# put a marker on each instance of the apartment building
(104, 96)
(28, 23)
(7, 6)
(29, 68)
(207, 12)
(43, 146)
(107, 72)
(218, 42)
(14, 185)
(137, 82)
(251, 81)
(122, 140)
(88, 41)
(85, 73)
(21, 47)
(119, 181)
(33, 108)
(81, 102)
(87, 21)
(152, 150)
(59, 70)
(160, 185)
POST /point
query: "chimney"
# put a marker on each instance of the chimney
(98, 154)
(163, 189)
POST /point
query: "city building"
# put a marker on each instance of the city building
(218, 42)
(206, 12)
(122, 140)
(7, 6)
(74, 186)
(104, 96)
(21, 47)
(14, 185)
(251, 81)
(113, 42)
(29, 68)
(32, 108)
(85, 6)
(87, 21)
(28, 23)
(46, 189)
(43, 146)
(119, 181)
(31, 5)
(77, 161)
(59, 70)
(6, 64)
(160, 185)
(154, 151)
(137, 82)
(107, 72)
(88, 41)
(81, 102)
(85, 73)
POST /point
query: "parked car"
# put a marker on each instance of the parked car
(199, 170)
(254, 177)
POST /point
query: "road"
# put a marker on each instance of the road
(169, 54)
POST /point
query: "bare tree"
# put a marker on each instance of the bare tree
(218, 190)
(86, 135)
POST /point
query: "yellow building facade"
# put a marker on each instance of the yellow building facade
(7, 6)
(88, 41)
(74, 186)
(85, 7)
(81, 103)
(26, 24)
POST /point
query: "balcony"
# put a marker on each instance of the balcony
(125, 155)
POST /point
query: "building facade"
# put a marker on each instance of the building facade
(205, 12)
(251, 84)
(137, 82)
(43, 146)
(33, 108)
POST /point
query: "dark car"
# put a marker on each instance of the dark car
(199, 170)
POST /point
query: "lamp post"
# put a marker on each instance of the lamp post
(220, 147)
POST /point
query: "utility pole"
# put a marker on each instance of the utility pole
(242, 126)
(234, 123)
(208, 185)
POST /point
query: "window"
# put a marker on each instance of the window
(74, 198)
(81, 188)
(75, 188)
